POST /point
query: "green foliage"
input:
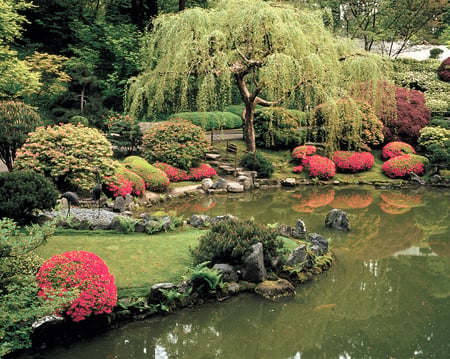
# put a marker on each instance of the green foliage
(155, 179)
(229, 240)
(17, 119)
(126, 137)
(176, 142)
(205, 280)
(436, 142)
(435, 52)
(75, 120)
(21, 192)
(127, 224)
(257, 162)
(67, 154)
(440, 121)
(211, 120)
(276, 127)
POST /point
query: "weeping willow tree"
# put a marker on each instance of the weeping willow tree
(275, 54)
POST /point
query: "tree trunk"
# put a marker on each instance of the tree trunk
(137, 13)
(181, 5)
(249, 129)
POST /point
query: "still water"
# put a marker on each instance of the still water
(386, 296)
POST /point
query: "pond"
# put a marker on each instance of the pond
(386, 296)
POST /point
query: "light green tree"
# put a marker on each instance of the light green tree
(274, 54)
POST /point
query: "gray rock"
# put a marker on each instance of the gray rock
(320, 241)
(220, 184)
(435, 179)
(416, 179)
(207, 183)
(155, 295)
(200, 221)
(224, 217)
(119, 204)
(140, 227)
(235, 188)
(288, 182)
(299, 232)
(285, 230)
(229, 274)
(47, 320)
(245, 181)
(337, 219)
(297, 256)
(233, 288)
(253, 269)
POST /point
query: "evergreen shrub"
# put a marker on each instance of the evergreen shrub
(21, 192)
(228, 241)
(277, 127)
(444, 70)
(75, 120)
(155, 179)
(321, 167)
(176, 142)
(211, 120)
(257, 162)
(402, 166)
(397, 148)
(352, 162)
(83, 278)
(440, 121)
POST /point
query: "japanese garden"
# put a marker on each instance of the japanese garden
(224, 178)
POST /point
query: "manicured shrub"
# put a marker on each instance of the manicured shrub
(402, 166)
(352, 162)
(83, 278)
(412, 115)
(201, 172)
(229, 240)
(277, 127)
(435, 52)
(75, 120)
(321, 167)
(359, 128)
(67, 154)
(176, 142)
(21, 192)
(440, 121)
(257, 162)
(397, 148)
(303, 153)
(123, 182)
(444, 70)
(155, 179)
(174, 174)
(211, 120)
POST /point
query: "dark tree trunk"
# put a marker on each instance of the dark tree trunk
(137, 13)
(249, 130)
(181, 5)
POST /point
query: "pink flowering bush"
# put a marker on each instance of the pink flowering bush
(402, 166)
(298, 169)
(348, 161)
(303, 153)
(321, 167)
(203, 171)
(194, 173)
(397, 148)
(83, 278)
(123, 182)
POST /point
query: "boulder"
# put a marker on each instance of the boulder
(200, 221)
(207, 183)
(319, 244)
(416, 179)
(299, 232)
(337, 219)
(273, 290)
(119, 204)
(224, 217)
(245, 181)
(285, 230)
(253, 269)
(435, 179)
(297, 256)
(229, 274)
(155, 295)
(235, 188)
(288, 182)
(220, 184)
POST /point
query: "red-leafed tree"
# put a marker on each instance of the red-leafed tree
(444, 70)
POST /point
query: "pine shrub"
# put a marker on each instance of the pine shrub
(259, 163)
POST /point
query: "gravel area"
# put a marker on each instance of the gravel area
(84, 214)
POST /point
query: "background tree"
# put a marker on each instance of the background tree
(273, 54)
(17, 119)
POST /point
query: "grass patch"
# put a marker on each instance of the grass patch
(136, 260)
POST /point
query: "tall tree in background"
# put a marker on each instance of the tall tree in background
(273, 54)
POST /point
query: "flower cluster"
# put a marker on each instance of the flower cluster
(298, 169)
(113, 118)
(321, 167)
(303, 153)
(194, 173)
(348, 161)
(204, 171)
(120, 186)
(397, 148)
(402, 166)
(81, 276)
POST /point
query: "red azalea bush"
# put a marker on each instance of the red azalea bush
(444, 70)
(402, 166)
(203, 171)
(397, 148)
(348, 161)
(174, 174)
(82, 275)
(321, 167)
(298, 169)
(124, 182)
(303, 153)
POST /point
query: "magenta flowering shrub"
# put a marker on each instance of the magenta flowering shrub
(402, 166)
(123, 182)
(321, 167)
(303, 153)
(194, 173)
(298, 169)
(83, 278)
(348, 161)
(203, 171)
(397, 148)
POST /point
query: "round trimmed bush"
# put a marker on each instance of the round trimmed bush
(67, 154)
(303, 153)
(352, 162)
(123, 182)
(402, 166)
(444, 70)
(154, 178)
(259, 163)
(176, 142)
(81, 277)
(21, 192)
(397, 148)
(215, 120)
(321, 167)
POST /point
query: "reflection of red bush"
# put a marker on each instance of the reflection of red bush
(313, 200)
(402, 199)
(352, 201)
(392, 209)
